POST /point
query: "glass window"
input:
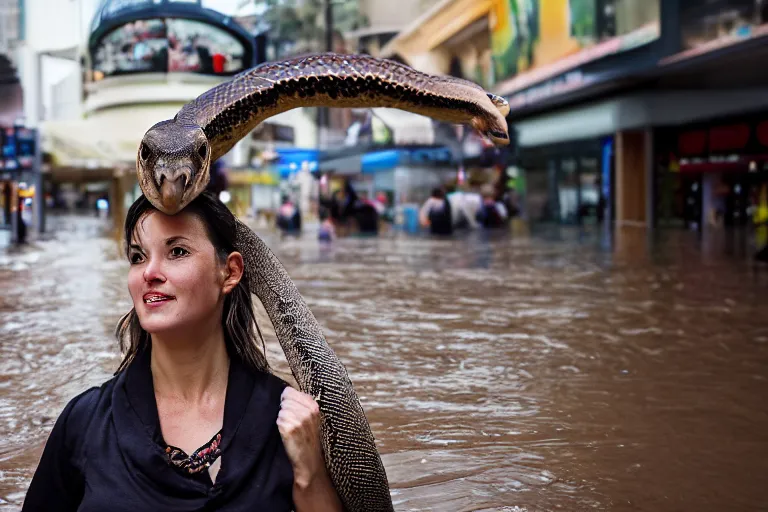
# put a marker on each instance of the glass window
(703, 22)
(531, 34)
(138, 46)
(632, 15)
(199, 47)
(163, 45)
(568, 190)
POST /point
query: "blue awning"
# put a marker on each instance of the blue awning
(290, 160)
(381, 160)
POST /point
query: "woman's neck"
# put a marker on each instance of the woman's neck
(192, 369)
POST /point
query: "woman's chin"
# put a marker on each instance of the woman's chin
(160, 328)
(160, 324)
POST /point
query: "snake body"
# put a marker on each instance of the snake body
(173, 165)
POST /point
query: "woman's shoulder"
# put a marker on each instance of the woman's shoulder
(83, 409)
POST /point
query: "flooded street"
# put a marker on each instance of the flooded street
(512, 372)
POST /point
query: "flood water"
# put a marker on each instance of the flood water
(497, 374)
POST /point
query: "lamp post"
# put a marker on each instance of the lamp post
(323, 114)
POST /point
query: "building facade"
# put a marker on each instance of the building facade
(642, 112)
(11, 112)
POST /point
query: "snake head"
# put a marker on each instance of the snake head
(492, 123)
(500, 103)
(173, 165)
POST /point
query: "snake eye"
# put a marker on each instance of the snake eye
(145, 152)
(203, 151)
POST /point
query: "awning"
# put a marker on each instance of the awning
(406, 128)
(343, 165)
(108, 138)
(381, 160)
(292, 160)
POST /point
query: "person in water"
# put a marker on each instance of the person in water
(436, 213)
(492, 213)
(193, 419)
(350, 212)
(289, 216)
(327, 231)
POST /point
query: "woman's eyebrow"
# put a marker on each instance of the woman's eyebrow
(172, 240)
(134, 246)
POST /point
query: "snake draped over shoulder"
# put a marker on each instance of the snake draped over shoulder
(173, 165)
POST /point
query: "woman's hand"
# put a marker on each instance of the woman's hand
(299, 426)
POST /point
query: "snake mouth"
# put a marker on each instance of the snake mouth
(498, 137)
(172, 193)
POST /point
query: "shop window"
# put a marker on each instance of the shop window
(633, 14)
(163, 45)
(703, 22)
(138, 46)
(202, 48)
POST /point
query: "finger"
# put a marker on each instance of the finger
(289, 392)
(296, 411)
(296, 434)
(286, 422)
(306, 400)
(300, 419)
(292, 394)
(309, 401)
(310, 408)
(294, 400)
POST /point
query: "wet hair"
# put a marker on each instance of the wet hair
(237, 320)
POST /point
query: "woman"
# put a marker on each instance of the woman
(192, 381)
(436, 213)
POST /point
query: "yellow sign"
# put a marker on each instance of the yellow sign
(253, 178)
(27, 192)
(545, 38)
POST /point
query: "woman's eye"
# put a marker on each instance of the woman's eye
(135, 258)
(178, 251)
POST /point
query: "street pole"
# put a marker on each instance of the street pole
(39, 200)
(323, 114)
(14, 212)
(37, 169)
(328, 26)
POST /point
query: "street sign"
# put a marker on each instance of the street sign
(8, 144)
(25, 147)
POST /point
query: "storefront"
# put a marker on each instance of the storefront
(712, 174)
(403, 175)
(21, 182)
(568, 183)
(253, 191)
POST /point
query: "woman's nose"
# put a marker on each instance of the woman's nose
(154, 271)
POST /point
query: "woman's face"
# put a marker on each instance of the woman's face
(175, 279)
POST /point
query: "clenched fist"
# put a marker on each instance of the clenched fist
(299, 426)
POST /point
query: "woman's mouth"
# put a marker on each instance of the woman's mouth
(156, 298)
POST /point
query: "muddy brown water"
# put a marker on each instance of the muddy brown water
(497, 374)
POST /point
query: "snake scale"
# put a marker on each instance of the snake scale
(173, 167)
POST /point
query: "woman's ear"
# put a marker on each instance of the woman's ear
(233, 271)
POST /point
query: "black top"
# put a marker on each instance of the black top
(106, 451)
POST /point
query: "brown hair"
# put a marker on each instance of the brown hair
(238, 319)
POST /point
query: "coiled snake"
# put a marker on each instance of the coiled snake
(173, 165)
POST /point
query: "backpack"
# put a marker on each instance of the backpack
(489, 216)
(440, 219)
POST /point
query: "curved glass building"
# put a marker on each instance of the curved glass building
(165, 36)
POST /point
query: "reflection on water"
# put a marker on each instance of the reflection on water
(497, 373)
